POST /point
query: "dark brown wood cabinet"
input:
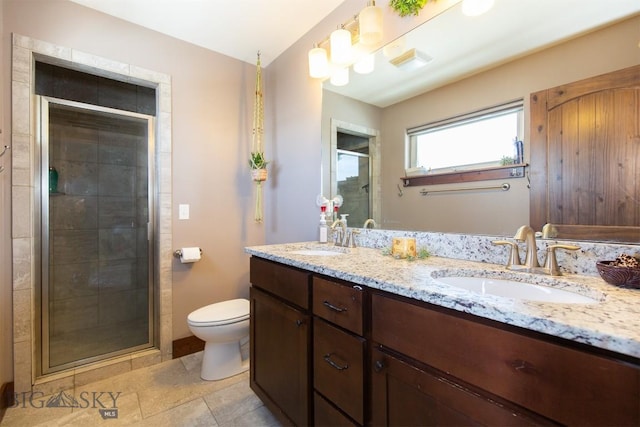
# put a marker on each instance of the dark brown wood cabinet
(338, 350)
(281, 341)
(328, 353)
(403, 394)
(535, 379)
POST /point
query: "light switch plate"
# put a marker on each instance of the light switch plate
(183, 211)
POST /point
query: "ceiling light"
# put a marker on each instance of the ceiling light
(365, 64)
(318, 63)
(340, 76)
(370, 21)
(476, 7)
(340, 40)
(411, 60)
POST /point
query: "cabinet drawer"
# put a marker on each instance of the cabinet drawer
(325, 415)
(286, 282)
(338, 359)
(562, 383)
(339, 304)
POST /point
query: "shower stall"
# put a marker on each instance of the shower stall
(96, 237)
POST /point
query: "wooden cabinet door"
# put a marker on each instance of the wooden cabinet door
(280, 345)
(404, 395)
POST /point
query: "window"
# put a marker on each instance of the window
(486, 138)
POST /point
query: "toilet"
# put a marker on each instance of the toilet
(221, 326)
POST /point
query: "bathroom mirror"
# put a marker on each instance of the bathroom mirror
(470, 64)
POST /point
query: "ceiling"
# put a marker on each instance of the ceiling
(236, 28)
(460, 45)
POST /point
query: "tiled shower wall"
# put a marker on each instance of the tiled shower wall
(98, 234)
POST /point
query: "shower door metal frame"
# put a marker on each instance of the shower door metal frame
(41, 206)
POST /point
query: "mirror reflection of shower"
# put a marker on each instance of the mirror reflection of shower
(353, 176)
(96, 240)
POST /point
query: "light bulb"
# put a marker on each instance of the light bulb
(340, 76)
(370, 23)
(340, 40)
(318, 63)
(365, 64)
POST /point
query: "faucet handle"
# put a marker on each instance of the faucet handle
(551, 262)
(514, 255)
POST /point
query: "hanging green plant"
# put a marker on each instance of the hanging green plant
(407, 7)
(257, 160)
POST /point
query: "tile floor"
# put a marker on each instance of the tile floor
(168, 394)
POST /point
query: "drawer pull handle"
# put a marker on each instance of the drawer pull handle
(333, 307)
(327, 358)
(299, 322)
(378, 366)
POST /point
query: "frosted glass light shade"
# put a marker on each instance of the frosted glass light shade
(340, 76)
(365, 64)
(370, 25)
(340, 41)
(476, 7)
(318, 63)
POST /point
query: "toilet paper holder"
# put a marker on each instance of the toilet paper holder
(178, 253)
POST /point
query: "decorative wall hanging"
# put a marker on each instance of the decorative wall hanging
(257, 161)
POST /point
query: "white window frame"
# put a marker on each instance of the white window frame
(484, 114)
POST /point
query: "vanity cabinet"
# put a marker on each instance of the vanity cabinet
(326, 352)
(338, 352)
(486, 373)
(281, 340)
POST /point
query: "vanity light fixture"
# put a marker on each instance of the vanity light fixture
(476, 7)
(370, 20)
(340, 76)
(318, 63)
(335, 54)
(365, 64)
(341, 49)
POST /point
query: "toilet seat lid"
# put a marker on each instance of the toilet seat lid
(220, 313)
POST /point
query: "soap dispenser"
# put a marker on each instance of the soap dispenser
(343, 218)
(323, 229)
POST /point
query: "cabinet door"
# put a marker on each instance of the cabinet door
(403, 395)
(280, 343)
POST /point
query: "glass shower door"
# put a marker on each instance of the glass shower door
(353, 180)
(96, 237)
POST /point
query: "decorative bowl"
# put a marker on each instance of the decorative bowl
(628, 277)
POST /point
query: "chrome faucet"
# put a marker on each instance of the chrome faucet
(368, 222)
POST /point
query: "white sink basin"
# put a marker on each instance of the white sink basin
(516, 290)
(316, 252)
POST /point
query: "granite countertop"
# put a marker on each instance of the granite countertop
(612, 323)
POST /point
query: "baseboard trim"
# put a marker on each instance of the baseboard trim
(6, 398)
(188, 345)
